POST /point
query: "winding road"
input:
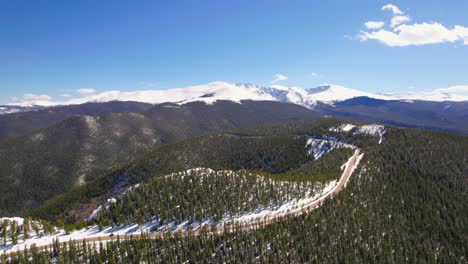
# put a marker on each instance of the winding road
(350, 166)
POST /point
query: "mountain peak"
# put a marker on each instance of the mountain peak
(220, 90)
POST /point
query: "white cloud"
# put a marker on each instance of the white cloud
(462, 33)
(279, 77)
(374, 24)
(86, 91)
(457, 89)
(395, 10)
(66, 95)
(315, 75)
(31, 99)
(398, 20)
(417, 34)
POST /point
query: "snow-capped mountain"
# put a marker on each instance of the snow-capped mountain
(10, 109)
(454, 93)
(215, 91)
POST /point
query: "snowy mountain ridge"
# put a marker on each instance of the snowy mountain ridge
(214, 91)
(10, 109)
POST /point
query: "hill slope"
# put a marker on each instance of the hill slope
(279, 150)
(443, 116)
(17, 124)
(47, 162)
(406, 205)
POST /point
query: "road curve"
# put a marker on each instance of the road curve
(244, 226)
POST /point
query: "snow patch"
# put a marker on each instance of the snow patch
(96, 211)
(342, 128)
(371, 130)
(284, 209)
(92, 124)
(147, 131)
(172, 106)
(37, 137)
(18, 220)
(320, 146)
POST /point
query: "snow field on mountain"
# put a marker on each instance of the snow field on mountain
(317, 147)
(371, 130)
(211, 92)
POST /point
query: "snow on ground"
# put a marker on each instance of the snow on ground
(288, 206)
(96, 211)
(358, 160)
(8, 111)
(34, 236)
(342, 128)
(285, 208)
(356, 163)
(172, 106)
(154, 227)
(18, 220)
(371, 130)
(320, 146)
(63, 237)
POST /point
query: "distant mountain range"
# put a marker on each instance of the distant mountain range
(10, 109)
(61, 162)
(438, 110)
(214, 91)
(443, 116)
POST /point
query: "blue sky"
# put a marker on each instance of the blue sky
(58, 47)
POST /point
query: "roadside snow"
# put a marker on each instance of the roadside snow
(18, 220)
(284, 209)
(358, 160)
(154, 227)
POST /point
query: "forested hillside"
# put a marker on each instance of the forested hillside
(406, 204)
(279, 150)
(442, 116)
(200, 196)
(47, 162)
(17, 124)
(35, 167)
